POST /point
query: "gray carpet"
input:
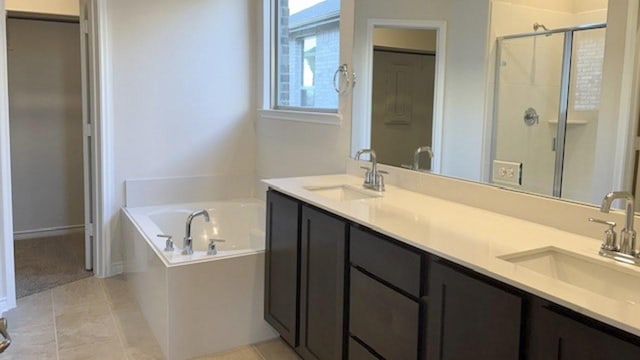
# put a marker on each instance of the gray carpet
(45, 263)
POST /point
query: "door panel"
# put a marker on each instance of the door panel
(470, 319)
(282, 266)
(323, 248)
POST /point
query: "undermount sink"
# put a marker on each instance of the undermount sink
(607, 279)
(342, 192)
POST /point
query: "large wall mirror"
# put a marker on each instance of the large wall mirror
(536, 96)
(405, 83)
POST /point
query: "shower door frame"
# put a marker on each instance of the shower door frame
(565, 87)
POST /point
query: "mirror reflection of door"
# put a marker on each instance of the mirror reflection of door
(402, 96)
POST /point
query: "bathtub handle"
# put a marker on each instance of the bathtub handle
(212, 250)
(168, 246)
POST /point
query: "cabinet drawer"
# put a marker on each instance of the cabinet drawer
(390, 262)
(382, 318)
(358, 352)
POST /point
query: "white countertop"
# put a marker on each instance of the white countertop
(473, 238)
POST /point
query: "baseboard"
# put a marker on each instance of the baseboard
(117, 268)
(54, 231)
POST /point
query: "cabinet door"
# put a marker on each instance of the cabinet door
(558, 336)
(322, 273)
(470, 319)
(282, 265)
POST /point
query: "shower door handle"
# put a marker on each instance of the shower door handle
(553, 144)
(4, 344)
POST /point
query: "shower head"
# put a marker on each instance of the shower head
(537, 27)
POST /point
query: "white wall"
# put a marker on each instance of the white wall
(7, 280)
(294, 148)
(56, 7)
(46, 124)
(183, 96)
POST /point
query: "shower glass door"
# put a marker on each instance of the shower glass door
(590, 141)
(529, 77)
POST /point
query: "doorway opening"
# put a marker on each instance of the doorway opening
(48, 151)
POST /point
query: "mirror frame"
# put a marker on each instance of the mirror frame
(439, 84)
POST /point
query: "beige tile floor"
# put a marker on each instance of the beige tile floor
(94, 319)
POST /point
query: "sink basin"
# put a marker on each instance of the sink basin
(342, 192)
(607, 279)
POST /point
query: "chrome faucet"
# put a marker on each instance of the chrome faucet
(628, 234)
(187, 246)
(416, 156)
(373, 177)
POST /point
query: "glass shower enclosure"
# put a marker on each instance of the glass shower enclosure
(546, 106)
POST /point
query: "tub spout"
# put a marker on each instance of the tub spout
(187, 246)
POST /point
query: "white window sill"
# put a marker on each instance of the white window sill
(333, 119)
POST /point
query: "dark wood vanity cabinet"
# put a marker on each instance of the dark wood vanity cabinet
(282, 265)
(305, 277)
(469, 318)
(557, 333)
(335, 290)
(322, 282)
(385, 295)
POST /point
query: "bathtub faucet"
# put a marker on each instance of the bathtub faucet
(187, 246)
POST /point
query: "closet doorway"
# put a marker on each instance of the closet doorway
(47, 156)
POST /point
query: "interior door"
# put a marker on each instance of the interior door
(402, 104)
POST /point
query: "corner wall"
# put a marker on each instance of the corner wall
(182, 92)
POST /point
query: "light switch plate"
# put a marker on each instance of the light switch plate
(507, 173)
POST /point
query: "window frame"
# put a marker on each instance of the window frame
(270, 108)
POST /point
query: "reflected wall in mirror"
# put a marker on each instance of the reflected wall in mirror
(537, 96)
(404, 103)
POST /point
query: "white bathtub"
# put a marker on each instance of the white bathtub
(239, 223)
(199, 304)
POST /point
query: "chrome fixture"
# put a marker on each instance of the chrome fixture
(168, 245)
(373, 177)
(187, 248)
(418, 152)
(610, 240)
(211, 249)
(531, 117)
(537, 26)
(4, 344)
(626, 251)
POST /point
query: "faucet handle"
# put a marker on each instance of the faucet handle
(610, 242)
(211, 249)
(169, 243)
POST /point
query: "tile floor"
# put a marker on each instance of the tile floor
(96, 319)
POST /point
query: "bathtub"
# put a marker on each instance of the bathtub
(199, 304)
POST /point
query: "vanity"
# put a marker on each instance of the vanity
(353, 274)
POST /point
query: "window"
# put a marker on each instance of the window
(307, 54)
(307, 95)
